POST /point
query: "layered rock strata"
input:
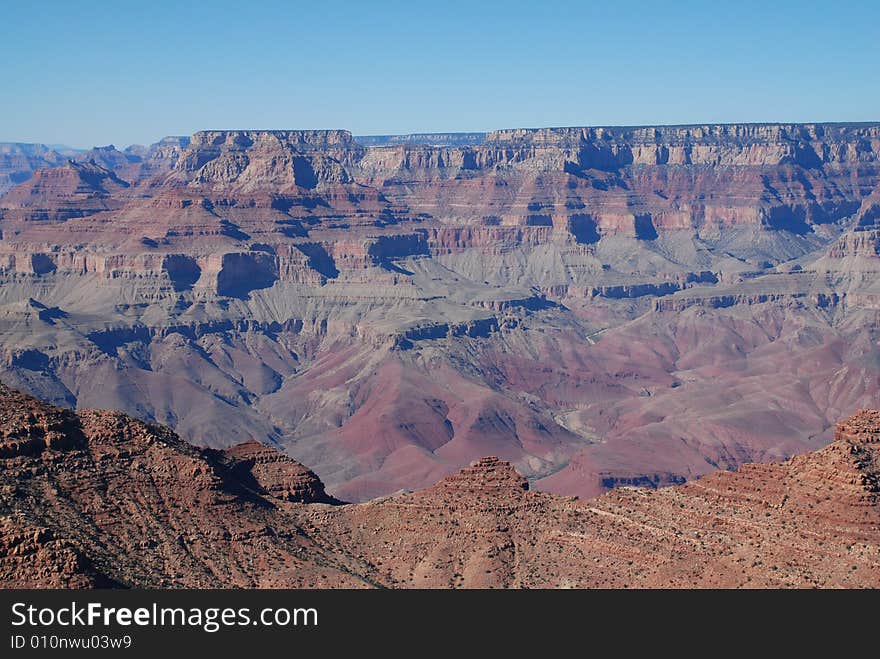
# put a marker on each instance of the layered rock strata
(578, 301)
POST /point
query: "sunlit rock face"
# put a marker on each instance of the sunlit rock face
(597, 306)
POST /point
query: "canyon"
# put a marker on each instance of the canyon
(97, 499)
(599, 307)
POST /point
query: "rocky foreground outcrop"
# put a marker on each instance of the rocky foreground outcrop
(97, 499)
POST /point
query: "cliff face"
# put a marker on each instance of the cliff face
(806, 145)
(267, 160)
(634, 181)
(101, 500)
(641, 180)
(577, 301)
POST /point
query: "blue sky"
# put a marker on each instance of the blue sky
(123, 72)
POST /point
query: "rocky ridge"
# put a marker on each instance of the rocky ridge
(18, 161)
(121, 503)
(112, 495)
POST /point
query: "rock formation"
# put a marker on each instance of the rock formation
(272, 473)
(55, 195)
(18, 161)
(111, 500)
(98, 499)
(586, 303)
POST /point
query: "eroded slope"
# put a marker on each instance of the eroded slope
(99, 499)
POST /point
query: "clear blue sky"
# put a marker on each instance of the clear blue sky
(95, 72)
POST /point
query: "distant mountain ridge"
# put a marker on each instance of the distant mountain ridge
(19, 160)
